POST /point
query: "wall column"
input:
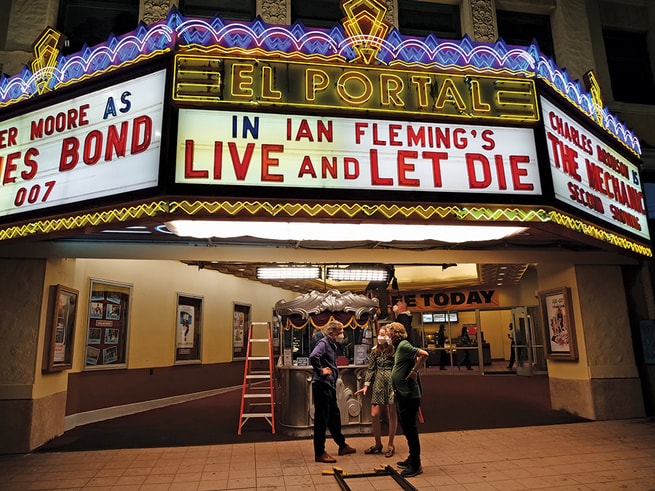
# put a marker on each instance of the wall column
(21, 292)
(603, 383)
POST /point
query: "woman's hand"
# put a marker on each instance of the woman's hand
(363, 390)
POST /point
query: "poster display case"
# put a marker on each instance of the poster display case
(60, 332)
(108, 324)
(188, 329)
(240, 321)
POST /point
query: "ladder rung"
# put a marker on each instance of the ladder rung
(252, 396)
(257, 415)
(259, 340)
(266, 375)
(259, 358)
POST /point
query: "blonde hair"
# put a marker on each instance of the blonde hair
(398, 329)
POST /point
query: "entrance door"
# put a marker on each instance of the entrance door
(528, 346)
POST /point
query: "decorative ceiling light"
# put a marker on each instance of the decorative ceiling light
(358, 274)
(340, 232)
(288, 272)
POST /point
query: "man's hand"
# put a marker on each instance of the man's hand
(326, 371)
(413, 375)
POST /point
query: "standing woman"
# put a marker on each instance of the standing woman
(380, 363)
(408, 359)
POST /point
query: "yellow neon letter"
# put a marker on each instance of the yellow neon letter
(315, 81)
(242, 81)
(422, 83)
(449, 93)
(390, 87)
(478, 105)
(366, 87)
(268, 85)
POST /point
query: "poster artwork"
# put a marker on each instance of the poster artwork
(60, 330)
(185, 326)
(558, 323)
(239, 327)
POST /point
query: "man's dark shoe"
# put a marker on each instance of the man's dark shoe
(325, 458)
(403, 463)
(346, 450)
(412, 471)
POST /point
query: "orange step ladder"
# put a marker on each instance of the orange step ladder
(258, 389)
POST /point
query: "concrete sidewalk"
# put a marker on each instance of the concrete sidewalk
(607, 455)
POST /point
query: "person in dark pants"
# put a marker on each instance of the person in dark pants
(465, 342)
(408, 359)
(441, 343)
(512, 350)
(324, 391)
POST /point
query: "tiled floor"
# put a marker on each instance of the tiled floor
(610, 455)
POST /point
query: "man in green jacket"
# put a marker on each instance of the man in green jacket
(408, 359)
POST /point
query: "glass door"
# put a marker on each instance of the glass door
(527, 348)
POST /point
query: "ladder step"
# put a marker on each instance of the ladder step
(257, 415)
(262, 376)
(259, 340)
(255, 396)
(259, 358)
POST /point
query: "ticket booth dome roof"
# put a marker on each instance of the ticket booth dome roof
(318, 308)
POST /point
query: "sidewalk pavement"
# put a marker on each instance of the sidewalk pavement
(600, 455)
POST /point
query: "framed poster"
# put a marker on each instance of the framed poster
(240, 324)
(60, 331)
(559, 328)
(107, 325)
(188, 318)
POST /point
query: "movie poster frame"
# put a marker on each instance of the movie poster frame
(241, 313)
(100, 321)
(60, 336)
(562, 297)
(183, 302)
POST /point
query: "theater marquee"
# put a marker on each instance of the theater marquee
(262, 149)
(590, 175)
(95, 145)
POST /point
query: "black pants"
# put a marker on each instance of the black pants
(326, 417)
(466, 359)
(443, 359)
(408, 415)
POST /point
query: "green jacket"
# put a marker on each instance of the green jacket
(404, 361)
